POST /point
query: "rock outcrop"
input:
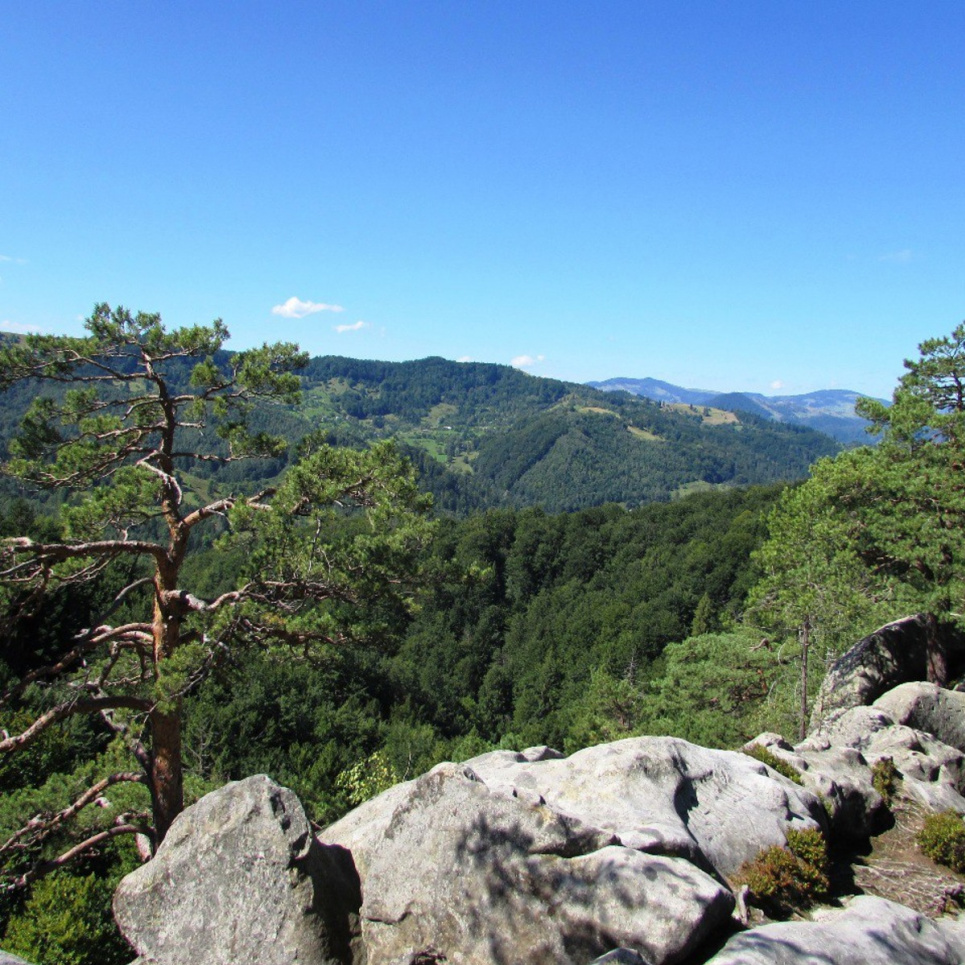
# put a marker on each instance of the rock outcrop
(837, 763)
(620, 853)
(240, 878)
(894, 654)
(928, 708)
(474, 877)
(7, 959)
(869, 931)
(666, 796)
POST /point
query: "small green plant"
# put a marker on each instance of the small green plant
(780, 879)
(760, 753)
(942, 838)
(365, 779)
(885, 778)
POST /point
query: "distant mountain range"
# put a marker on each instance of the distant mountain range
(829, 410)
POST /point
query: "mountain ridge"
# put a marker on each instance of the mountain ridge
(827, 410)
(487, 436)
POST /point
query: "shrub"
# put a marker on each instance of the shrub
(67, 921)
(786, 878)
(885, 778)
(760, 753)
(942, 838)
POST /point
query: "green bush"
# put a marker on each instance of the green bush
(786, 878)
(760, 753)
(67, 921)
(942, 838)
(885, 778)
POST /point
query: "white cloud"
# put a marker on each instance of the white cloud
(354, 327)
(899, 257)
(296, 308)
(525, 361)
(19, 329)
(15, 261)
(777, 384)
(464, 358)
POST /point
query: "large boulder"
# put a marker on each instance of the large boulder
(664, 795)
(929, 708)
(839, 775)
(869, 931)
(894, 654)
(474, 876)
(239, 879)
(6, 958)
(837, 763)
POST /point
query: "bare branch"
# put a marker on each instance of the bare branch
(39, 828)
(51, 553)
(62, 711)
(39, 871)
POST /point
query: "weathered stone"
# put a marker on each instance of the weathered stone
(240, 879)
(894, 654)
(664, 795)
(933, 772)
(869, 931)
(475, 877)
(840, 776)
(6, 958)
(929, 708)
(620, 956)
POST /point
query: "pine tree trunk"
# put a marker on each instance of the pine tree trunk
(167, 785)
(166, 778)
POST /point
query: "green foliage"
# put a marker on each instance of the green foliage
(603, 592)
(766, 756)
(811, 569)
(719, 690)
(785, 879)
(611, 709)
(482, 436)
(365, 779)
(877, 533)
(942, 838)
(885, 778)
(67, 921)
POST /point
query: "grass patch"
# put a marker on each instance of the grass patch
(644, 434)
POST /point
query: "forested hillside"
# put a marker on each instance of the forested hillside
(489, 435)
(486, 436)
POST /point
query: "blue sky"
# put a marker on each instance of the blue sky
(757, 196)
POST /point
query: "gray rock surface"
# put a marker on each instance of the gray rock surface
(929, 708)
(6, 958)
(240, 879)
(933, 772)
(869, 931)
(664, 795)
(894, 654)
(837, 762)
(840, 775)
(478, 877)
